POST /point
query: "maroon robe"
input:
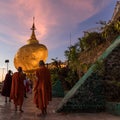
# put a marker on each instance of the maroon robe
(42, 89)
(17, 89)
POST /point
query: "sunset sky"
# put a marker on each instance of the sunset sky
(54, 21)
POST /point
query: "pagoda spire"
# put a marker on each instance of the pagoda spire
(33, 36)
(33, 39)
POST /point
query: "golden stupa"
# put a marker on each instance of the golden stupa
(29, 55)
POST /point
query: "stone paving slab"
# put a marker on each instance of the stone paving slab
(30, 112)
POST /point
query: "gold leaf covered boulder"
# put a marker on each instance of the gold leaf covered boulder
(29, 55)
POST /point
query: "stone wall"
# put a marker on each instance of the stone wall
(112, 75)
(88, 98)
(112, 65)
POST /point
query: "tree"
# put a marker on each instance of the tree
(90, 41)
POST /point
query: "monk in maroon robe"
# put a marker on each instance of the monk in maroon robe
(17, 89)
(42, 89)
(7, 85)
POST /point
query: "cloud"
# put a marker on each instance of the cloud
(53, 18)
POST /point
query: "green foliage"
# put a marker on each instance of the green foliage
(99, 67)
(91, 40)
(54, 76)
(84, 67)
(72, 55)
(117, 26)
(111, 30)
(72, 78)
(68, 77)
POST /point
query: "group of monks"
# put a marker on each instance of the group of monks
(42, 88)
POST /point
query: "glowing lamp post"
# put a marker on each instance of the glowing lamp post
(7, 61)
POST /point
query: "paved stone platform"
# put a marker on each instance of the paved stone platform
(30, 112)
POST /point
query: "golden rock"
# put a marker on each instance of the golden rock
(29, 55)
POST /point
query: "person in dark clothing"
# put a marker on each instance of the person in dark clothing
(7, 85)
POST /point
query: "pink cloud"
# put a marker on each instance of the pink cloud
(51, 16)
(54, 20)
